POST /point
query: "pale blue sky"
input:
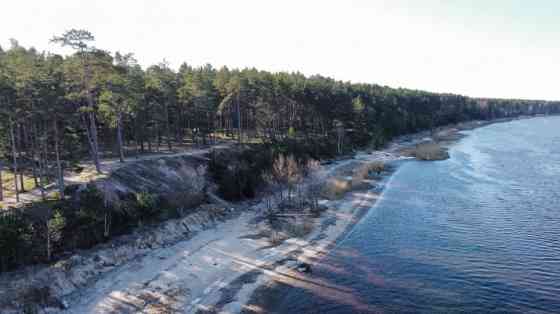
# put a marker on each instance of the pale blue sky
(492, 48)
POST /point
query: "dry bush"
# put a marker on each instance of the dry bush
(287, 171)
(314, 182)
(430, 151)
(274, 234)
(335, 188)
(377, 167)
(364, 171)
(359, 174)
(276, 238)
(299, 227)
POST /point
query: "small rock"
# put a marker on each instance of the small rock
(304, 268)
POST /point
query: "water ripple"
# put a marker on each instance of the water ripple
(479, 233)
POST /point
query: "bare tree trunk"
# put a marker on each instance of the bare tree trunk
(21, 179)
(1, 182)
(46, 159)
(21, 141)
(138, 142)
(149, 143)
(95, 145)
(107, 215)
(119, 136)
(59, 172)
(92, 125)
(92, 149)
(32, 136)
(42, 165)
(158, 137)
(239, 132)
(167, 126)
(48, 243)
(14, 155)
(107, 224)
(42, 181)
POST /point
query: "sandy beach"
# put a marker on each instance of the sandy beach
(219, 268)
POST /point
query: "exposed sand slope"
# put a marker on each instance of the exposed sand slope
(107, 167)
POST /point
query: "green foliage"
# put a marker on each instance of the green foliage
(55, 225)
(291, 132)
(239, 174)
(14, 239)
(74, 223)
(44, 96)
(146, 205)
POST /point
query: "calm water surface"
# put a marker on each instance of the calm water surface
(478, 233)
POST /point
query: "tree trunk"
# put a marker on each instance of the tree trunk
(92, 125)
(59, 172)
(119, 136)
(42, 181)
(48, 243)
(239, 132)
(32, 140)
(14, 156)
(149, 143)
(168, 127)
(46, 160)
(21, 179)
(92, 149)
(107, 224)
(158, 138)
(95, 145)
(44, 164)
(1, 182)
(139, 137)
(21, 145)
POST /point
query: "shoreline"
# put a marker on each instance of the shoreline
(224, 264)
(272, 286)
(270, 292)
(267, 297)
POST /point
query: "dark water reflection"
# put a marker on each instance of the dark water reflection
(479, 233)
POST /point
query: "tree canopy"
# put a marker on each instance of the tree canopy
(62, 109)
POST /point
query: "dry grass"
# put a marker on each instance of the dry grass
(335, 188)
(8, 183)
(299, 228)
(364, 171)
(276, 237)
(430, 151)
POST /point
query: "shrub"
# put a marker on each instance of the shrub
(299, 228)
(146, 203)
(238, 174)
(335, 188)
(359, 174)
(55, 227)
(430, 151)
(14, 239)
(71, 189)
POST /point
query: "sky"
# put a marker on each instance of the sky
(478, 48)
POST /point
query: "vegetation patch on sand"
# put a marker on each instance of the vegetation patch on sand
(350, 179)
(428, 151)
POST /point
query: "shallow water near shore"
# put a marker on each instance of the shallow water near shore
(478, 233)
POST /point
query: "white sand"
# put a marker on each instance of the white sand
(189, 275)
